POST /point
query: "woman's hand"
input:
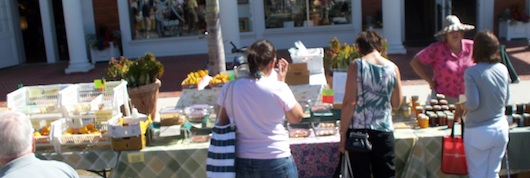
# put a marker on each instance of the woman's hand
(432, 84)
(460, 111)
(283, 67)
(342, 142)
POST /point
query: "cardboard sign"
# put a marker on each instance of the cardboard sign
(103, 115)
(135, 157)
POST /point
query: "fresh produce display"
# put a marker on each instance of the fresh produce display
(195, 77)
(219, 79)
(86, 129)
(43, 131)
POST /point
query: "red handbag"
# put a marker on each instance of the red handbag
(453, 153)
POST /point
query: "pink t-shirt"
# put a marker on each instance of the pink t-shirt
(448, 67)
(259, 108)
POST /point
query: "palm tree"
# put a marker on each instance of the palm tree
(216, 53)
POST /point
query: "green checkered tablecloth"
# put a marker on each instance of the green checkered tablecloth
(96, 160)
(425, 157)
(178, 160)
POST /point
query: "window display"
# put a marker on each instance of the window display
(167, 18)
(300, 13)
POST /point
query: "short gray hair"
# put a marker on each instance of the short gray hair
(16, 134)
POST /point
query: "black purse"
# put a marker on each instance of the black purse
(357, 141)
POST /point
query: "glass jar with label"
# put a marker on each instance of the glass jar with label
(423, 121)
(450, 121)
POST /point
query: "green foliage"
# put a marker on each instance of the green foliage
(139, 72)
(339, 56)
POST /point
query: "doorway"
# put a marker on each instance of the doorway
(32, 31)
(466, 11)
(419, 22)
(60, 31)
(31, 27)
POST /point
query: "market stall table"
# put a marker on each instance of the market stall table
(425, 157)
(315, 157)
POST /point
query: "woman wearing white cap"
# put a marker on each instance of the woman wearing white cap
(448, 58)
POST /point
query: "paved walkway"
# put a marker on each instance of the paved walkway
(177, 67)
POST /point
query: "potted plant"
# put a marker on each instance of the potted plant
(142, 76)
(337, 57)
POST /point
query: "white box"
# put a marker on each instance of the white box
(134, 127)
(312, 56)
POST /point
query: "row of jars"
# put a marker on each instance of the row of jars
(518, 114)
(438, 112)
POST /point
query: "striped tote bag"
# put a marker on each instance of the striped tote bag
(222, 150)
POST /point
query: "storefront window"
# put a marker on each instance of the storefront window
(167, 18)
(300, 13)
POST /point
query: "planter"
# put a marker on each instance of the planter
(513, 29)
(144, 98)
(105, 54)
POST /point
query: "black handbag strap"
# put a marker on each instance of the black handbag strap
(461, 129)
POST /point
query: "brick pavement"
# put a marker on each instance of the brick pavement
(177, 67)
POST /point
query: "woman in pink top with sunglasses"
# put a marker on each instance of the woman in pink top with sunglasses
(448, 58)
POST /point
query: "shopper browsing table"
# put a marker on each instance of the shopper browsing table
(259, 104)
(448, 59)
(487, 92)
(373, 88)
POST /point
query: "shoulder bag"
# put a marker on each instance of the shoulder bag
(357, 141)
(453, 153)
(220, 162)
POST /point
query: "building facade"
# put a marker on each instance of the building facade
(176, 27)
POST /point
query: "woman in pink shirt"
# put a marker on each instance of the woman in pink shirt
(448, 58)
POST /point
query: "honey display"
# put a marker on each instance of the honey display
(450, 121)
(423, 121)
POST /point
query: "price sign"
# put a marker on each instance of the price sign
(103, 115)
(35, 92)
(98, 83)
(51, 91)
(135, 157)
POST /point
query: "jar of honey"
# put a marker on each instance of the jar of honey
(433, 120)
(419, 110)
(450, 121)
(442, 118)
(433, 102)
(423, 121)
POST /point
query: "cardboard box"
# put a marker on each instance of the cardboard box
(297, 67)
(313, 57)
(131, 126)
(297, 74)
(129, 143)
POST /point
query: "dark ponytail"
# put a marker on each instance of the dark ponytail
(259, 55)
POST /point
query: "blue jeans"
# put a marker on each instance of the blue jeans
(273, 168)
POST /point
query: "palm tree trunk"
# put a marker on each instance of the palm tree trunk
(216, 53)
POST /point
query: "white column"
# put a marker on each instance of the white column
(485, 16)
(229, 17)
(88, 17)
(258, 18)
(392, 26)
(48, 30)
(357, 15)
(73, 19)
